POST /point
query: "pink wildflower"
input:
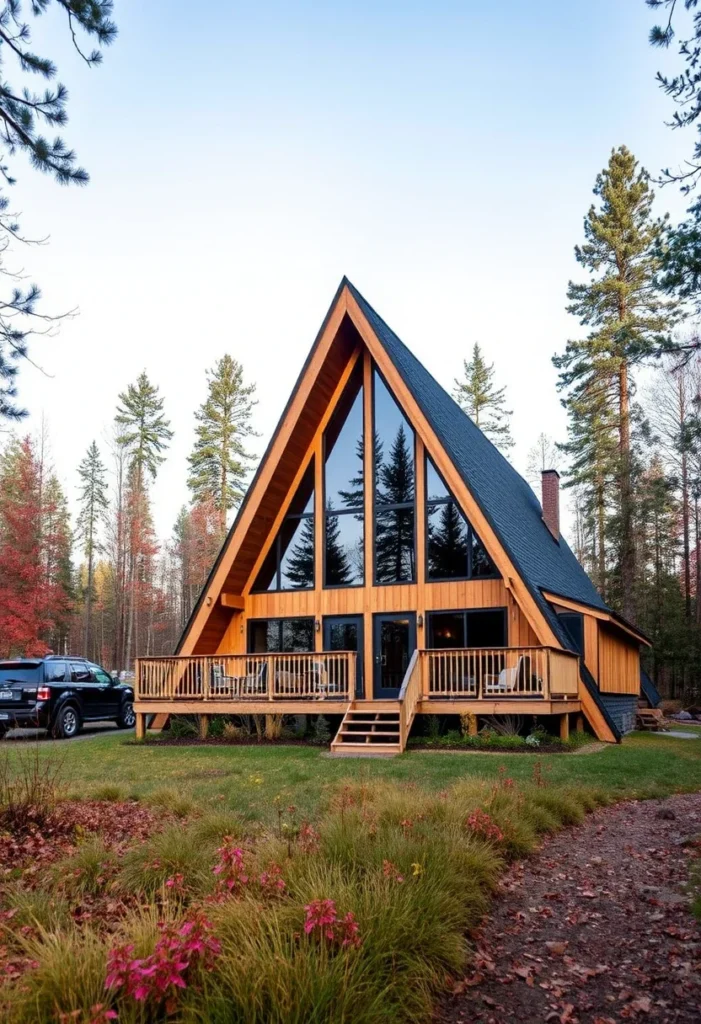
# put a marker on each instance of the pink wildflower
(231, 867)
(271, 881)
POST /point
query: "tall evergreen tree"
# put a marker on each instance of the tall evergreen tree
(299, 564)
(447, 548)
(394, 526)
(337, 567)
(629, 319)
(93, 502)
(591, 449)
(483, 402)
(219, 463)
(144, 434)
(143, 429)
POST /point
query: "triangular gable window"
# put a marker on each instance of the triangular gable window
(453, 549)
(394, 489)
(344, 489)
(289, 564)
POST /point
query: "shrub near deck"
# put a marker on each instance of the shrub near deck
(413, 870)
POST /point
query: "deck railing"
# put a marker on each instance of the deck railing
(496, 673)
(247, 677)
(409, 697)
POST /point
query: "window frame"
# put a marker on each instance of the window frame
(375, 370)
(465, 612)
(279, 619)
(360, 510)
(276, 545)
(471, 532)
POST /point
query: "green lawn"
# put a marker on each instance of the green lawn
(248, 779)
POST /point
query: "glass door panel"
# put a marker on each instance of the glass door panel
(394, 642)
(345, 633)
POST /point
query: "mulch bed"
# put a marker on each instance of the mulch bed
(594, 929)
(457, 748)
(220, 741)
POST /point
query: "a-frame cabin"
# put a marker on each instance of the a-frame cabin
(389, 562)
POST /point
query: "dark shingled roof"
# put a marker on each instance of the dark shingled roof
(507, 501)
(504, 497)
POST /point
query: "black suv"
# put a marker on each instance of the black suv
(59, 694)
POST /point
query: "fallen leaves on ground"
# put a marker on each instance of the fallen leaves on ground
(594, 929)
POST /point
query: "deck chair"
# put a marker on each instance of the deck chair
(507, 680)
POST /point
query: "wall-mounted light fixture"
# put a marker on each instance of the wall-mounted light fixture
(420, 622)
(317, 625)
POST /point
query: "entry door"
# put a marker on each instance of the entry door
(394, 642)
(345, 633)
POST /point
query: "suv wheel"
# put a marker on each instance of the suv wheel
(67, 723)
(127, 716)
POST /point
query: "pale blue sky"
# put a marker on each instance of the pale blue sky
(442, 155)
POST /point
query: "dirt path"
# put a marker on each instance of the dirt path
(594, 929)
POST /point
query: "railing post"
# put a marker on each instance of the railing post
(546, 680)
(137, 678)
(270, 673)
(351, 675)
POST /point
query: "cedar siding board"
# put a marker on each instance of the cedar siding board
(619, 663)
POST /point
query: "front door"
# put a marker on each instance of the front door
(394, 642)
(345, 633)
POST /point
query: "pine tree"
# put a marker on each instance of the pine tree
(219, 463)
(484, 403)
(299, 566)
(447, 546)
(93, 510)
(592, 451)
(338, 570)
(144, 430)
(394, 527)
(629, 319)
(144, 433)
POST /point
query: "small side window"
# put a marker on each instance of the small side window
(101, 676)
(80, 673)
(54, 671)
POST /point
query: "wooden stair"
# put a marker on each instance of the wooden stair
(369, 731)
(651, 719)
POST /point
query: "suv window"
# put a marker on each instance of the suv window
(80, 673)
(20, 672)
(101, 676)
(54, 671)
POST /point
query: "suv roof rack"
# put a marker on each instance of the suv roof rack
(64, 657)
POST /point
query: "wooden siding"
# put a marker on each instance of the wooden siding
(591, 645)
(619, 662)
(368, 600)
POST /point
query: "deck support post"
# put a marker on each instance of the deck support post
(472, 725)
(564, 727)
(204, 726)
(140, 725)
(580, 723)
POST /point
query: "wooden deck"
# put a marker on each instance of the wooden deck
(515, 680)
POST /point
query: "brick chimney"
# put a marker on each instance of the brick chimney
(551, 501)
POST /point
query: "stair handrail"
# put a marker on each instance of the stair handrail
(409, 695)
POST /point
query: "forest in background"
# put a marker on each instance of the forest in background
(105, 585)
